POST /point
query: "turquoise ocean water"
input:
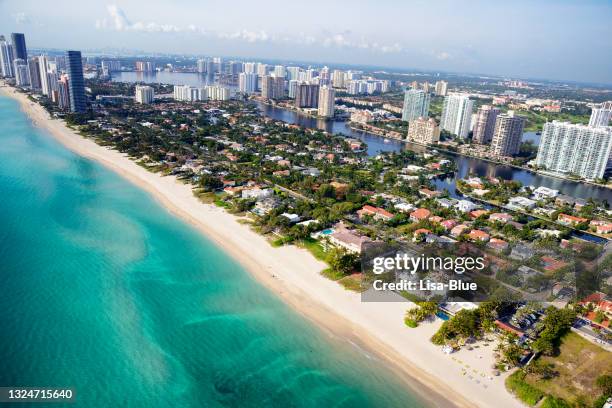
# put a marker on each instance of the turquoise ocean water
(105, 291)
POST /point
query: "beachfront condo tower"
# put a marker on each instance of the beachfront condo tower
(78, 103)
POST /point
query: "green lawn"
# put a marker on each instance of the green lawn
(315, 248)
(579, 363)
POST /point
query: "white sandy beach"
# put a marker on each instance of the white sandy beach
(460, 379)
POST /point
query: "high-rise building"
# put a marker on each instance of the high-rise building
(262, 70)
(325, 76)
(43, 69)
(484, 124)
(306, 95)
(272, 87)
(507, 135)
(423, 131)
(441, 88)
(575, 149)
(601, 115)
(218, 63)
(327, 101)
(338, 79)
(201, 66)
(34, 73)
(279, 87)
(53, 81)
(218, 93)
(145, 66)
(279, 71)
(144, 94)
(457, 114)
(78, 102)
(250, 67)
(6, 58)
(189, 93)
(247, 82)
(267, 87)
(291, 88)
(236, 67)
(19, 46)
(416, 104)
(293, 73)
(22, 74)
(110, 66)
(63, 86)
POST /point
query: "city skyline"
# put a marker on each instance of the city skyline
(543, 41)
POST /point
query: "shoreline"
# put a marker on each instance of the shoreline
(293, 275)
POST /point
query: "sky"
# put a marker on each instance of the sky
(548, 39)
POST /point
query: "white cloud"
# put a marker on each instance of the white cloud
(443, 55)
(246, 35)
(117, 20)
(21, 18)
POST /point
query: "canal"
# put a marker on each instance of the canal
(376, 144)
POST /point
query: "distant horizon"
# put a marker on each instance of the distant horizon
(564, 40)
(398, 70)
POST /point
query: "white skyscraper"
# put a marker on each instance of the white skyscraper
(416, 104)
(144, 94)
(189, 93)
(250, 67)
(507, 134)
(44, 70)
(22, 73)
(201, 66)
(291, 88)
(327, 99)
(575, 149)
(484, 124)
(441, 87)
(279, 71)
(247, 82)
(293, 73)
(457, 114)
(601, 115)
(217, 93)
(6, 58)
(338, 79)
(262, 69)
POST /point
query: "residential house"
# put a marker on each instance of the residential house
(497, 244)
(465, 206)
(293, 218)
(404, 207)
(570, 220)
(446, 202)
(542, 193)
(348, 239)
(478, 213)
(375, 212)
(448, 224)
(478, 235)
(500, 217)
(458, 230)
(420, 214)
(427, 193)
(257, 193)
(520, 203)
